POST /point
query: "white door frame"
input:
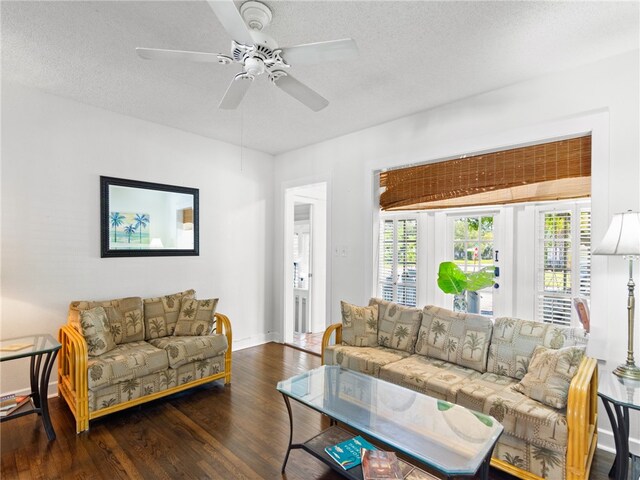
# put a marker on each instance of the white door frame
(319, 306)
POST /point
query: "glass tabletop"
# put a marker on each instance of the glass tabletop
(27, 346)
(448, 437)
(623, 391)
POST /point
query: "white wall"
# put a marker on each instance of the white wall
(602, 97)
(53, 152)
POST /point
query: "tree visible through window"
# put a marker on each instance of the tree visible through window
(563, 260)
(473, 239)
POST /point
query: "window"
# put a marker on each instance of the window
(473, 247)
(563, 261)
(397, 260)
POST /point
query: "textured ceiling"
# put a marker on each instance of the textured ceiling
(414, 55)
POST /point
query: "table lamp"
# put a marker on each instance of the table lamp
(623, 238)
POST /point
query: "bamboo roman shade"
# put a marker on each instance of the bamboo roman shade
(548, 171)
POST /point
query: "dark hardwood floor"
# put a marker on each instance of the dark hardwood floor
(235, 432)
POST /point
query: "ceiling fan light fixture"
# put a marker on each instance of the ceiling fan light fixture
(254, 66)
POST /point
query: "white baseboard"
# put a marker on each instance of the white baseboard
(607, 443)
(255, 340)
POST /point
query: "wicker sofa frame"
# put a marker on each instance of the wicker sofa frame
(73, 380)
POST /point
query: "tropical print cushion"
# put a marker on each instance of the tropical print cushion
(550, 374)
(181, 350)
(397, 325)
(514, 341)
(96, 331)
(133, 388)
(461, 338)
(359, 325)
(161, 313)
(127, 361)
(197, 317)
(546, 463)
(125, 317)
(362, 359)
(433, 377)
(521, 416)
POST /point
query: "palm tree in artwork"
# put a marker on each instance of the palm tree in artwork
(142, 220)
(116, 219)
(130, 230)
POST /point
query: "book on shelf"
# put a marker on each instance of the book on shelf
(347, 453)
(17, 403)
(380, 465)
(7, 401)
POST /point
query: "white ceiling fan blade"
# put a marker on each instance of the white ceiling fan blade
(236, 92)
(162, 54)
(231, 20)
(334, 50)
(301, 92)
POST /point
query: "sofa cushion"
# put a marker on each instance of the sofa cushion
(436, 378)
(124, 314)
(197, 317)
(362, 359)
(359, 325)
(550, 374)
(161, 313)
(125, 363)
(543, 462)
(96, 331)
(397, 325)
(521, 416)
(181, 350)
(514, 341)
(461, 338)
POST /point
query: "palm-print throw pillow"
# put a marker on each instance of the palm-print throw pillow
(97, 331)
(460, 338)
(196, 317)
(397, 325)
(359, 325)
(549, 375)
(161, 313)
(124, 314)
(514, 341)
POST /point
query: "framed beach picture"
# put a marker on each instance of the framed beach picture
(139, 219)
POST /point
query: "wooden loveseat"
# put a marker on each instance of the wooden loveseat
(150, 357)
(480, 364)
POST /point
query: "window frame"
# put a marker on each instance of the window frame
(575, 207)
(396, 217)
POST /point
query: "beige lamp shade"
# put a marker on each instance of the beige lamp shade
(622, 237)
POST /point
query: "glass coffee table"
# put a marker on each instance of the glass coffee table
(448, 438)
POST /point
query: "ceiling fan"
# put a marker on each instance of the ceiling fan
(259, 54)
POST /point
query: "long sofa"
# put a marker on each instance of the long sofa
(124, 352)
(533, 377)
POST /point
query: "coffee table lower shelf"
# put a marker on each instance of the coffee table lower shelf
(333, 435)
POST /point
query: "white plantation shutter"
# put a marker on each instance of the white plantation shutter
(585, 252)
(563, 262)
(397, 260)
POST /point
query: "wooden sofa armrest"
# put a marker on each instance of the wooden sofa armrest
(582, 419)
(326, 338)
(223, 327)
(72, 374)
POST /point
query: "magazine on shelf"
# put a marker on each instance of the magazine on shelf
(17, 403)
(380, 465)
(347, 453)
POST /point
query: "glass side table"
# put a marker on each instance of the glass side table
(43, 350)
(618, 396)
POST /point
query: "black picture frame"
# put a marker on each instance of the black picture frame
(107, 249)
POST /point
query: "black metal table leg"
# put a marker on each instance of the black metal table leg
(292, 445)
(44, 389)
(483, 471)
(620, 426)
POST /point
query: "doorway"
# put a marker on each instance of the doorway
(305, 266)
